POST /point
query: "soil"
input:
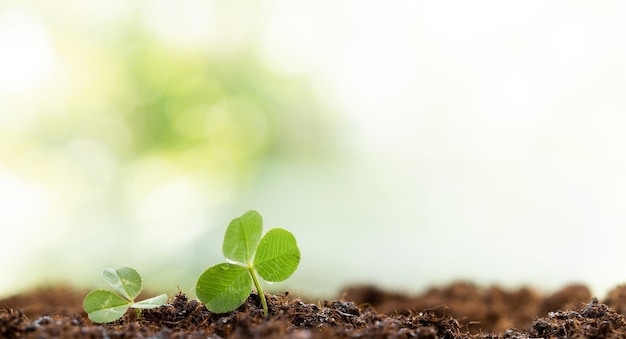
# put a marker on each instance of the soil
(459, 310)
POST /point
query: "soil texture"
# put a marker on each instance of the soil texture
(459, 310)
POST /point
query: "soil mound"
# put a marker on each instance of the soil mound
(459, 310)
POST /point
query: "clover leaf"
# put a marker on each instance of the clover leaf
(104, 306)
(275, 257)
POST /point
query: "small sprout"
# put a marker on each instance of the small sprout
(224, 287)
(104, 306)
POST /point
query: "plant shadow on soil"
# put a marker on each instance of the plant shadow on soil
(459, 310)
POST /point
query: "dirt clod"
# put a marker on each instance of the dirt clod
(596, 320)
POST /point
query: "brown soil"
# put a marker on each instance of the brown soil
(460, 310)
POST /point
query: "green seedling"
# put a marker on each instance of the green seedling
(104, 306)
(224, 287)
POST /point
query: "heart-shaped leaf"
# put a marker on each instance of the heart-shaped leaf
(242, 237)
(224, 287)
(153, 302)
(104, 306)
(277, 256)
(125, 280)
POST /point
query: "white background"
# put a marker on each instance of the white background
(474, 140)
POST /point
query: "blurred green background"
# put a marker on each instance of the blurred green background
(405, 144)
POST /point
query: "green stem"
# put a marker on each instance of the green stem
(259, 290)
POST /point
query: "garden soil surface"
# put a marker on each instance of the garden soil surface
(458, 310)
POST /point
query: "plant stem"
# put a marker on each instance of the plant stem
(259, 290)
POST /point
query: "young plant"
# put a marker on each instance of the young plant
(224, 287)
(104, 306)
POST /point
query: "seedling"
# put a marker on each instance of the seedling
(224, 287)
(104, 306)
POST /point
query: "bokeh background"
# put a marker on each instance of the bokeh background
(405, 144)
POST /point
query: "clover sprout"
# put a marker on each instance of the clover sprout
(104, 306)
(275, 257)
